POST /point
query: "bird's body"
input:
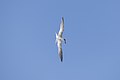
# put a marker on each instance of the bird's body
(59, 39)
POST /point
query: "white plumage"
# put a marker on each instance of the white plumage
(59, 39)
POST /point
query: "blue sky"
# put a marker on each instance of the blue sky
(27, 40)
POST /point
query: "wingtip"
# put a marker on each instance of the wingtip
(62, 18)
(61, 57)
(61, 60)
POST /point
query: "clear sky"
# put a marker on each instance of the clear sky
(27, 40)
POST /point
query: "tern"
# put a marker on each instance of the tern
(60, 39)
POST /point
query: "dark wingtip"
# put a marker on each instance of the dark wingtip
(62, 59)
(63, 18)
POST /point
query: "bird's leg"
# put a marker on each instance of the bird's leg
(65, 41)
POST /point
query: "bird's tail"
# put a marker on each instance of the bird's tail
(56, 38)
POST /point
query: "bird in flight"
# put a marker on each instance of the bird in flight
(60, 39)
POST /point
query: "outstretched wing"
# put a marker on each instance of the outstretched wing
(60, 54)
(61, 28)
(60, 50)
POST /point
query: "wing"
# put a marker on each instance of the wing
(60, 54)
(61, 27)
(60, 50)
